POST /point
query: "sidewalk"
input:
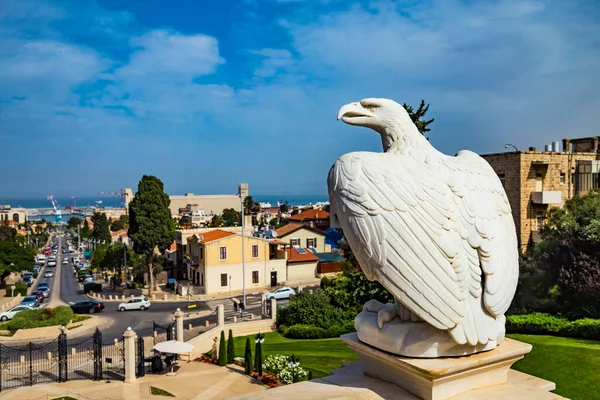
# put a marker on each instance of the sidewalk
(194, 380)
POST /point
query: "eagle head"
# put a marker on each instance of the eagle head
(386, 117)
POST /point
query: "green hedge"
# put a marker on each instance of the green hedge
(41, 317)
(92, 287)
(546, 324)
(301, 331)
(20, 288)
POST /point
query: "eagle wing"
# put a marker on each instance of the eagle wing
(415, 227)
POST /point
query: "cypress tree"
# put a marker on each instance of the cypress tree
(230, 348)
(248, 358)
(258, 354)
(222, 350)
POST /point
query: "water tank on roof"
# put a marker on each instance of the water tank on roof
(555, 147)
(548, 147)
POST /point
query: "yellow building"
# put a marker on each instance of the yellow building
(301, 235)
(215, 262)
(536, 180)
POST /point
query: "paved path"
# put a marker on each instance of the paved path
(194, 380)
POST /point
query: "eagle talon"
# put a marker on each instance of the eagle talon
(373, 306)
(386, 314)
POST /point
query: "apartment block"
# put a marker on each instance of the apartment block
(536, 180)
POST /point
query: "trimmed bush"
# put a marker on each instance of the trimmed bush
(20, 288)
(92, 287)
(546, 324)
(303, 331)
(222, 350)
(248, 358)
(230, 348)
(41, 317)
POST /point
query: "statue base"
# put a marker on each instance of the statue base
(450, 377)
(413, 339)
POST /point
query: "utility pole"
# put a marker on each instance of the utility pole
(78, 239)
(243, 192)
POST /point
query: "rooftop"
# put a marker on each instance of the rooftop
(300, 255)
(211, 236)
(293, 227)
(310, 215)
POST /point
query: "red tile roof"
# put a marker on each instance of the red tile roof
(295, 226)
(173, 247)
(310, 215)
(277, 241)
(306, 256)
(215, 234)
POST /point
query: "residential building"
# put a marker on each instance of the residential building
(313, 217)
(171, 254)
(214, 262)
(300, 235)
(536, 180)
(119, 236)
(8, 213)
(301, 264)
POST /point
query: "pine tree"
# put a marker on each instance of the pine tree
(222, 350)
(101, 231)
(416, 116)
(248, 358)
(230, 348)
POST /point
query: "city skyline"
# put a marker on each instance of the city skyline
(93, 95)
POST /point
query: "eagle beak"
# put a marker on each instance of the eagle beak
(354, 114)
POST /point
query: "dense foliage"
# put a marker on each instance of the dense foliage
(111, 257)
(41, 317)
(562, 272)
(100, 231)
(314, 312)
(14, 256)
(417, 116)
(248, 367)
(230, 348)
(546, 324)
(151, 226)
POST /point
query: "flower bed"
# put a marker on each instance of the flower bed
(267, 379)
(279, 365)
(207, 359)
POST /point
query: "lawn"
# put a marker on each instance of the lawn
(570, 363)
(318, 355)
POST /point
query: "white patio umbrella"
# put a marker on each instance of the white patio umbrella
(174, 347)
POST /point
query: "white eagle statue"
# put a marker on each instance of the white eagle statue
(436, 231)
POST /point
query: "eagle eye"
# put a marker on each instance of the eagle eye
(370, 106)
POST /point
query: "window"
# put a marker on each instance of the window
(539, 220)
(223, 279)
(501, 177)
(254, 276)
(311, 242)
(201, 279)
(223, 253)
(562, 177)
(295, 242)
(201, 252)
(255, 251)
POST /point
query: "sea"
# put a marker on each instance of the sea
(110, 201)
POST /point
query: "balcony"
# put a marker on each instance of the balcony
(554, 197)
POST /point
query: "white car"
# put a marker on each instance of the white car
(281, 293)
(87, 280)
(52, 263)
(6, 315)
(65, 261)
(48, 274)
(137, 303)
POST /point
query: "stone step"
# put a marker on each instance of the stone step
(523, 379)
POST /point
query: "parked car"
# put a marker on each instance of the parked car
(88, 279)
(28, 280)
(281, 293)
(65, 261)
(87, 306)
(48, 274)
(30, 301)
(9, 314)
(137, 303)
(39, 294)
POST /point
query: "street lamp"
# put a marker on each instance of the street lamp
(243, 192)
(511, 145)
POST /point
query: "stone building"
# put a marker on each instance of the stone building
(536, 180)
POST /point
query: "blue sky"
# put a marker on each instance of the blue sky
(207, 94)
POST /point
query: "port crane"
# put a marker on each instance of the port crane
(56, 206)
(122, 194)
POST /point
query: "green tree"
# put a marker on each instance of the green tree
(151, 226)
(283, 208)
(231, 217)
(418, 115)
(248, 358)
(73, 223)
(6, 232)
(222, 350)
(217, 221)
(111, 258)
(85, 231)
(124, 220)
(14, 257)
(117, 225)
(230, 348)
(100, 231)
(186, 219)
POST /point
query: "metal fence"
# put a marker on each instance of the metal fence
(61, 360)
(164, 332)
